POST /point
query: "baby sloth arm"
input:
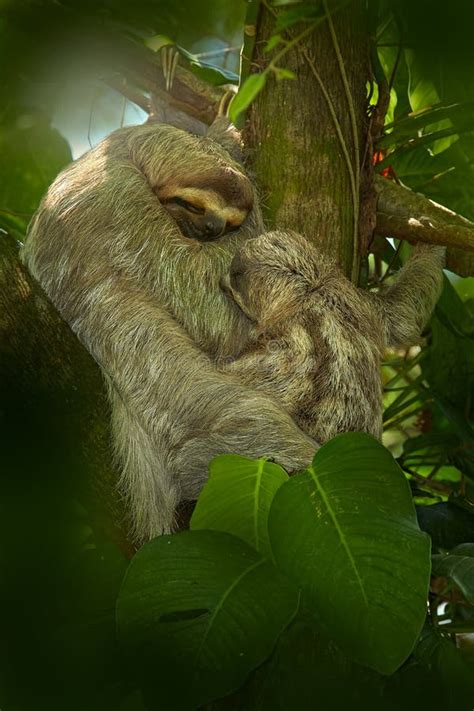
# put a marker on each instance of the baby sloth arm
(279, 366)
(407, 305)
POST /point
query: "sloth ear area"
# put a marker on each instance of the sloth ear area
(222, 131)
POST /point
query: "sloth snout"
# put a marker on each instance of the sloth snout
(214, 226)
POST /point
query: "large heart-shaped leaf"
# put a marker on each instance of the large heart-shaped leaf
(345, 530)
(237, 498)
(198, 611)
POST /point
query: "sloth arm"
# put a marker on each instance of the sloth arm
(175, 390)
(281, 367)
(406, 307)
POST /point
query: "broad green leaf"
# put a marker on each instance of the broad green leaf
(157, 42)
(237, 498)
(199, 610)
(252, 86)
(355, 549)
(458, 565)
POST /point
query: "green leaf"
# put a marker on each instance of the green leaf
(273, 42)
(157, 42)
(203, 609)
(355, 549)
(452, 385)
(409, 126)
(282, 73)
(424, 95)
(452, 670)
(252, 86)
(458, 565)
(237, 498)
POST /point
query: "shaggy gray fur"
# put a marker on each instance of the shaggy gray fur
(316, 341)
(147, 304)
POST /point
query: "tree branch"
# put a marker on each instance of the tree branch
(404, 214)
(407, 215)
(142, 69)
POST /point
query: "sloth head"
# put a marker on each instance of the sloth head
(275, 276)
(208, 207)
(199, 180)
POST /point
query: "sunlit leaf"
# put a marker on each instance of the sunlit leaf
(282, 73)
(237, 498)
(251, 87)
(355, 549)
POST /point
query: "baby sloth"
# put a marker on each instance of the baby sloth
(318, 340)
(206, 212)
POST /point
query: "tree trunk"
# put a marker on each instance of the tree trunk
(54, 408)
(295, 150)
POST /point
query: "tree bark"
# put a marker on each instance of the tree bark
(403, 214)
(51, 385)
(295, 150)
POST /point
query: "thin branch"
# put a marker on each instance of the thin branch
(407, 215)
(428, 483)
(142, 68)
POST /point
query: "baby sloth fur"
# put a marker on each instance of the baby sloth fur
(144, 298)
(317, 340)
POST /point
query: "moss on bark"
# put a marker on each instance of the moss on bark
(294, 149)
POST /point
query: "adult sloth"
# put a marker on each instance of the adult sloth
(145, 300)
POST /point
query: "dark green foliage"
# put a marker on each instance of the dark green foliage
(286, 594)
(363, 572)
(197, 612)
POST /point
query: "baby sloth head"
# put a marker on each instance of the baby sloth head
(272, 276)
(206, 207)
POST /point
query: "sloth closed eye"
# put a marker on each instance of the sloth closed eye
(188, 205)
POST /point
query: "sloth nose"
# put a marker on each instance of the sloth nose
(214, 226)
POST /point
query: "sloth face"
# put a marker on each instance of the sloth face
(272, 276)
(207, 213)
(200, 216)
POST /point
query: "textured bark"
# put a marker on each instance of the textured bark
(404, 214)
(294, 149)
(142, 68)
(50, 383)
